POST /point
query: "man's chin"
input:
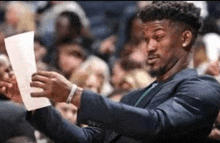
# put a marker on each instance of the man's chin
(157, 72)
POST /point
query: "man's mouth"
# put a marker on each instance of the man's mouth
(152, 59)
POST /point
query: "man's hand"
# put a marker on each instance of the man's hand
(54, 85)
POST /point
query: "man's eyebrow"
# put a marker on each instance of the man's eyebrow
(157, 29)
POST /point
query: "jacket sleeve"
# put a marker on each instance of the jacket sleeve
(192, 107)
(48, 121)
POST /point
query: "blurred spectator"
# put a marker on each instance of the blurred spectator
(68, 111)
(13, 113)
(7, 74)
(105, 22)
(40, 51)
(68, 27)
(69, 56)
(5, 31)
(120, 68)
(47, 20)
(19, 16)
(136, 79)
(104, 16)
(105, 48)
(134, 33)
(199, 53)
(93, 74)
(135, 46)
(117, 94)
(210, 36)
(124, 23)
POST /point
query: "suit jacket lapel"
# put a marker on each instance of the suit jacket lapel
(150, 95)
(143, 103)
(179, 76)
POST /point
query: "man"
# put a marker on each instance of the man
(180, 106)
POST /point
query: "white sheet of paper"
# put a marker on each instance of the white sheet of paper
(20, 49)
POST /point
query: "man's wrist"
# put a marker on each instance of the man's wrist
(77, 97)
(71, 94)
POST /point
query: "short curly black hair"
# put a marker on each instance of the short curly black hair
(173, 10)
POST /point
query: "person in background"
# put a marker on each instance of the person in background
(210, 36)
(120, 68)
(5, 31)
(69, 56)
(117, 94)
(136, 79)
(12, 111)
(199, 54)
(67, 111)
(20, 16)
(47, 17)
(135, 46)
(40, 51)
(93, 74)
(67, 28)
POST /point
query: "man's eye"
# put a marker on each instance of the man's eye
(146, 40)
(159, 38)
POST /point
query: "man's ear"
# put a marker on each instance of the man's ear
(186, 38)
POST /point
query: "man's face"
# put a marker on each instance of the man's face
(164, 45)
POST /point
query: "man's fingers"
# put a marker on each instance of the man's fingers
(40, 78)
(37, 84)
(39, 94)
(44, 73)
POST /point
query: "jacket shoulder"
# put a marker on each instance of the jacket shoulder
(205, 88)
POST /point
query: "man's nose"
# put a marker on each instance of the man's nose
(151, 46)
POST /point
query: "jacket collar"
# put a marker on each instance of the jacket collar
(183, 74)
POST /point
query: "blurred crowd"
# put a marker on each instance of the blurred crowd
(99, 46)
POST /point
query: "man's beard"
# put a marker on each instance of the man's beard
(157, 72)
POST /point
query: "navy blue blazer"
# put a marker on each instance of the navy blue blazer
(182, 109)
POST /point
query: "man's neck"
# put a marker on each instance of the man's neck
(179, 66)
